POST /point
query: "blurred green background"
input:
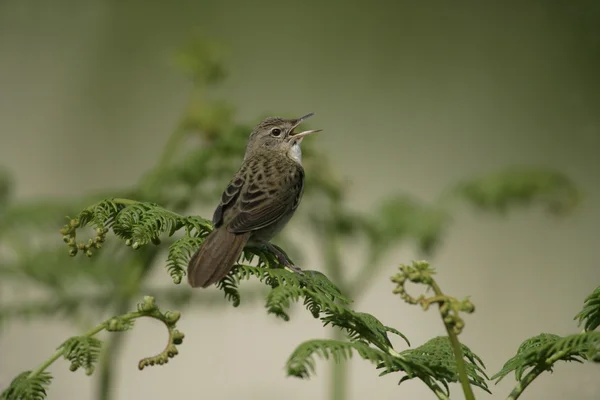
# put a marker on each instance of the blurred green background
(411, 97)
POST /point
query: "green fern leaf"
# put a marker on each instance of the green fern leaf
(361, 326)
(542, 351)
(229, 285)
(82, 352)
(280, 298)
(25, 388)
(321, 297)
(590, 315)
(138, 223)
(301, 363)
(397, 333)
(436, 359)
(180, 252)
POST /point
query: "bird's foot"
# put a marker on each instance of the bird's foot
(283, 259)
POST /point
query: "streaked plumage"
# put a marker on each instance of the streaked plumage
(257, 203)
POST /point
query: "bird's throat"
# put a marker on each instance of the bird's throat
(295, 152)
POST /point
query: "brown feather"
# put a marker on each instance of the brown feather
(215, 257)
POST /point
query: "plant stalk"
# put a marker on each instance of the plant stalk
(339, 374)
(523, 383)
(458, 354)
(107, 363)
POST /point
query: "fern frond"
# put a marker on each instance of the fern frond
(397, 333)
(138, 223)
(590, 315)
(318, 291)
(521, 186)
(301, 363)
(25, 388)
(229, 285)
(360, 327)
(321, 297)
(280, 298)
(542, 351)
(180, 252)
(81, 351)
(437, 357)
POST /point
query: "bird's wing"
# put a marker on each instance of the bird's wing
(229, 197)
(265, 195)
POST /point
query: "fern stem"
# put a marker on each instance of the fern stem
(339, 370)
(534, 373)
(523, 383)
(107, 362)
(458, 353)
(339, 374)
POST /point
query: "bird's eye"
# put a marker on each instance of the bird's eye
(276, 132)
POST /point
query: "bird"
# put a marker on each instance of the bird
(257, 203)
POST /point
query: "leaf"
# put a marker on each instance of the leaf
(301, 363)
(542, 351)
(280, 298)
(360, 326)
(82, 352)
(180, 252)
(25, 388)
(138, 223)
(229, 285)
(590, 315)
(437, 356)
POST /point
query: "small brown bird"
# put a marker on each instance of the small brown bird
(258, 202)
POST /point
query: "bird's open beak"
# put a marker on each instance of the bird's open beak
(300, 135)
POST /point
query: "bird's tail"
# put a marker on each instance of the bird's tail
(215, 257)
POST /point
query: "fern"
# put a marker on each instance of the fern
(81, 351)
(137, 223)
(432, 362)
(280, 298)
(301, 363)
(541, 352)
(229, 285)
(27, 387)
(288, 287)
(590, 315)
(179, 254)
(437, 357)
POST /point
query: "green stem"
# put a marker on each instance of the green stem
(534, 373)
(331, 255)
(339, 374)
(458, 354)
(523, 383)
(107, 362)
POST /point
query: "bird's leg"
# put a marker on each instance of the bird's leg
(282, 258)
